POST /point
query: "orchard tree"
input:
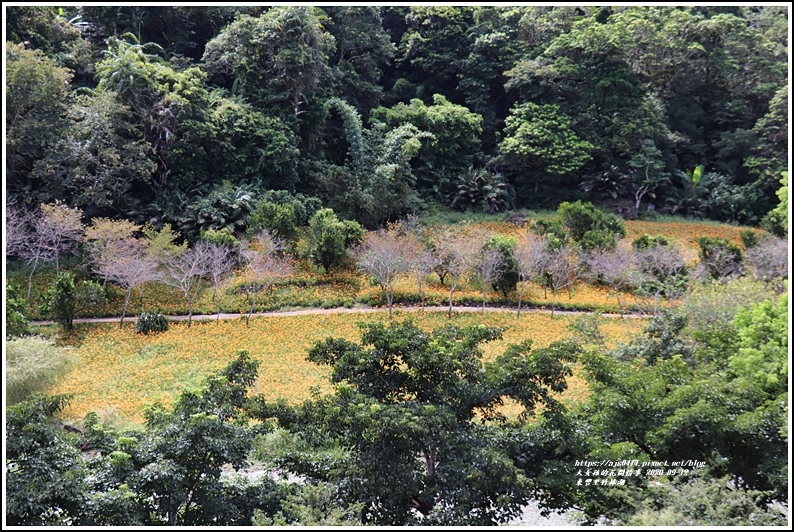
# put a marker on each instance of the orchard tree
(220, 261)
(421, 263)
(266, 265)
(56, 229)
(408, 409)
(488, 269)
(104, 235)
(560, 271)
(385, 255)
(616, 269)
(127, 264)
(457, 250)
(186, 271)
(531, 257)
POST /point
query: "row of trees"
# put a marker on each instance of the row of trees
(580, 245)
(414, 433)
(142, 112)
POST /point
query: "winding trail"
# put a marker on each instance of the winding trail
(353, 310)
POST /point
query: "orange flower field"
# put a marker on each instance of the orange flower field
(119, 372)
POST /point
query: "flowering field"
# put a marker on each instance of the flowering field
(119, 372)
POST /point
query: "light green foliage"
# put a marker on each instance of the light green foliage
(776, 221)
(455, 138)
(763, 344)
(220, 237)
(160, 243)
(33, 364)
(330, 237)
(539, 138)
(36, 92)
(706, 502)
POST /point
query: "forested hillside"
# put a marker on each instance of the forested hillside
(188, 115)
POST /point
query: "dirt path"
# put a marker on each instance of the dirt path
(344, 310)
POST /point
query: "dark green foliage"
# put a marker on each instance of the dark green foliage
(65, 298)
(508, 270)
(170, 473)
(659, 396)
(61, 300)
(558, 100)
(589, 226)
(148, 323)
(45, 474)
(480, 190)
(16, 323)
(406, 410)
(280, 219)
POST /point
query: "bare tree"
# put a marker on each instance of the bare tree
(531, 257)
(127, 264)
(769, 261)
(219, 264)
(616, 269)
(385, 255)
(421, 262)
(186, 271)
(561, 271)
(266, 264)
(457, 250)
(56, 229)
(17, 230)
(487, 268)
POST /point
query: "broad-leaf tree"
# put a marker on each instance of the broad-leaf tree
(408, 408)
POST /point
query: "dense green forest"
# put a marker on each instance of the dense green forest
(189, 115)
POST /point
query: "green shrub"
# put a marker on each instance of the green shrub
(508, 272)
(16, 322)
(60, 302)
(749, 238)
(33, 364)
(589, 226)
(280, 218)
(647, 241)
(151, 323)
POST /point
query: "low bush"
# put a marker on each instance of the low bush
(151, 323)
